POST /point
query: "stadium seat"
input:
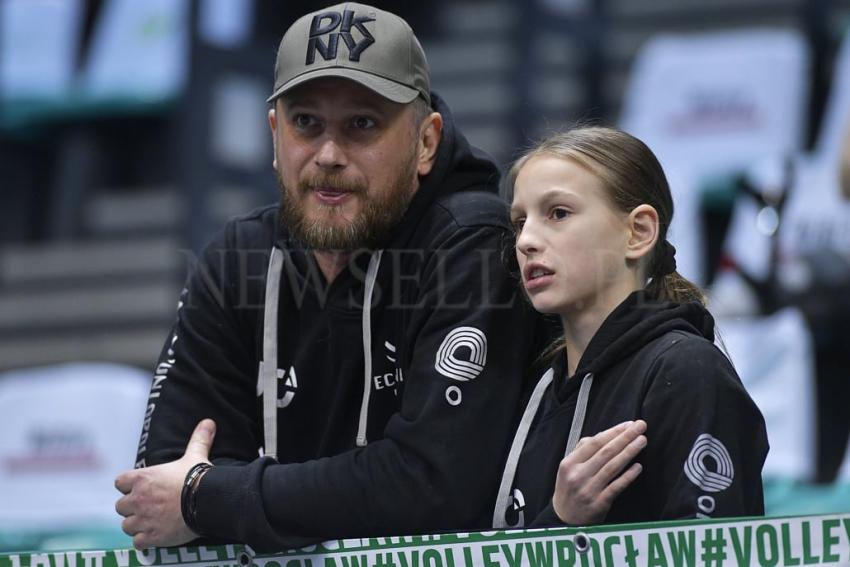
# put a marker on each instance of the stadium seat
(68, 430)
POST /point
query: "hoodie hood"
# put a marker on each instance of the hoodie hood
(458, 167)
(634, 323)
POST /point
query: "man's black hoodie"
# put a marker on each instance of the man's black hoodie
(393, 419)
(657, 362)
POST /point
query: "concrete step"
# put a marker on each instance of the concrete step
(661, 8)
(110, 300)
(58, 263)
(449, 59)
(226, 202)
(94, 306)
(160, 211)
(556, 50)
(493, 97)
(555, 92)
(478, 17)
(138, 347)
(155, 209)
(493, 139)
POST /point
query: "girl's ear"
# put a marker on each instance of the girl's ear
(643, 231)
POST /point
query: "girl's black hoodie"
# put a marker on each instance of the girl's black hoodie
(657, 362)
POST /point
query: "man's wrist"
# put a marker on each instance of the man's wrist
(188, 504)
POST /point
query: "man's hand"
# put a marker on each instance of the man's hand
(151, 501)
(589, 478)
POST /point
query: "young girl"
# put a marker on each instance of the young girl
(667, 430)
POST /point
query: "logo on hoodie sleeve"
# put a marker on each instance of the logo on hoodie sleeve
(709, 467)
(708, 450)
(462, 357)
(463, 354)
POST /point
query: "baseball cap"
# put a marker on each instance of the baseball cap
(354, 41)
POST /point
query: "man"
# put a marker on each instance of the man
(375, 356)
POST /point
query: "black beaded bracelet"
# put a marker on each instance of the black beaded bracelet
(188, 505)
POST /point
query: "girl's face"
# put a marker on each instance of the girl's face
(571, 242)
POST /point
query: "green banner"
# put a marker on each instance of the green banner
(770, 542)
(213, 556)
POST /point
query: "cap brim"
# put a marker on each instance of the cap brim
(391, 90)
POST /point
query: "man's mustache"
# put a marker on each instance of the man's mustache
(333, 182)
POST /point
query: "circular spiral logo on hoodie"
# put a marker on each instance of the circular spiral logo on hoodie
(708, 450)
(515, 514)
(463, 354)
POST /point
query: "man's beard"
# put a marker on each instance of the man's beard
(369, 229)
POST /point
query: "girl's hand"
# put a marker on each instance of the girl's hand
(589, 479)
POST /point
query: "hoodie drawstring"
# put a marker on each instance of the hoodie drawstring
(371, 277)
(268, 366)
(267, 382)
(581, 411)
(503, 498)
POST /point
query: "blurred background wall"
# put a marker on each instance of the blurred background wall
(129, 131)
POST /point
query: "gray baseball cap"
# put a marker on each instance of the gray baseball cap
(358, 42)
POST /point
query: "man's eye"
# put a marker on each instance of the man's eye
(303, 120)
(363, 122)
(559, 213)
(518, 224)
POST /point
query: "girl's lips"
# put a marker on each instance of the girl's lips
(535, 270)
(539, 282)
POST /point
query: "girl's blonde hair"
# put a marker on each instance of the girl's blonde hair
(632, 176)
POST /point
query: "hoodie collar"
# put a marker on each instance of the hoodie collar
(634, 323)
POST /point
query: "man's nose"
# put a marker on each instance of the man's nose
(330, 154)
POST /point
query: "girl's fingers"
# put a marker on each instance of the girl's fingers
(619, 484)
(615, 446)
(587, 447)
(614, 467)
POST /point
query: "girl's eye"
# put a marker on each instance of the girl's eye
(559, 213)
(363, 122)
(518, 224)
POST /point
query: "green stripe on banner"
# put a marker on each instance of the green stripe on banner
(213, 556)
(770, 542)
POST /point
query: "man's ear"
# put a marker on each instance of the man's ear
(273, 126)
(643, 231)
(430, 132)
